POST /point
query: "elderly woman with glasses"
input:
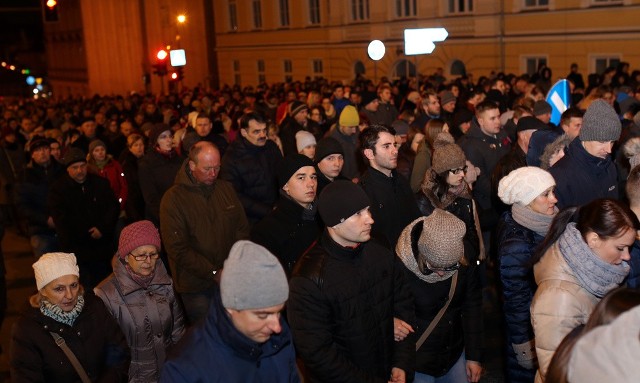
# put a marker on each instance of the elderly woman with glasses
(448, 301)
(140, 296)
(445, 187)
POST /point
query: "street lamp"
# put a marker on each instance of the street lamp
(181, 18)
(376, 51)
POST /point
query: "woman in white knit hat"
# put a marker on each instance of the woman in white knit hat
(529, 191)
(66, 335)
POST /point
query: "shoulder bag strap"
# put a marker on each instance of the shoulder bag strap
(434, 322)
(72, 357)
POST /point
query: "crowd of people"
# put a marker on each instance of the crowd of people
(327, 232)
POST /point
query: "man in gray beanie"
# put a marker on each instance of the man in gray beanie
(243, 337)
(587, 172)
(344, 295)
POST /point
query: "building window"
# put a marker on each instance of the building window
(288, 70)
(314, 12)
(233, 15)
(461, 6)
(458, 68)
(602, 63)
(404, 68)
(405, 8)
(260, 65)
(536, 3)
(359, 10)
(257, 14)
(284, 13)
(236, 72)
(317, 67)
(606, 2)
(531, 64)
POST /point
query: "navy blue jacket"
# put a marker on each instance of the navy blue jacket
(516, 245)
(633, 280)
(215, 351)
(581, 177)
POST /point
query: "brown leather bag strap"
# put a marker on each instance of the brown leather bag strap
(72, 357)
(434, 322)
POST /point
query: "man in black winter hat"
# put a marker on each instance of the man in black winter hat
(344, 295)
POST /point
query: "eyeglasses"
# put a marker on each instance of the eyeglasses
(143, 257)
(427, 269)
(458, 170)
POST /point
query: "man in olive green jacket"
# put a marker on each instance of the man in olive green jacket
(201, 217)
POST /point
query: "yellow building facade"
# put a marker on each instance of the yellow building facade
(108, 47)
(278, 39)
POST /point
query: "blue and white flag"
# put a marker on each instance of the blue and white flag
(559, 97)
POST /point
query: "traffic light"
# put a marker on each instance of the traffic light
(50, 10)
(160, 67)
(176, 74)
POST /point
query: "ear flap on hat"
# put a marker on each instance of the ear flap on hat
(416, 231)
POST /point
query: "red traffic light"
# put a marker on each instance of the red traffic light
(162, 54)
(51, 3)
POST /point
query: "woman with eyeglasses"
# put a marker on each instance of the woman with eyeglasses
(140, 296)
(583, 257)
(529, 191)
(448, 300)
(445, 187)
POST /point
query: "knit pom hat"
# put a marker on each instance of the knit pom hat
(524, 184)
(600, 123)
(326, 147)
(252, 278)
(340, 200)
(296, 107)
(446, 154)
(290, 165)
(349, 116)
(304, 139)
(94, 144)
(138, 234)
(52, 266)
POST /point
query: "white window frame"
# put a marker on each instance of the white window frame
(594, 57)
(525, 58)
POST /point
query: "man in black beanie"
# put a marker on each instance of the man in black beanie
(344, 295)
(329, 162)
(293, 225)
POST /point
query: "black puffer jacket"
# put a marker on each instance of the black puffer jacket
(252, 172)
(286, 233)
(95, 339)
(341, 309)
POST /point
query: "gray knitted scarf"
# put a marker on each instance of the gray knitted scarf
(532, 220)
(595, 275)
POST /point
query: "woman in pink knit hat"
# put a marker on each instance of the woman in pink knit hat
(140, 296)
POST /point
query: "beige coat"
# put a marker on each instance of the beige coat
(559, 305)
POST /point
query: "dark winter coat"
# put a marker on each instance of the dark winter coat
(252, 172)
(393, 204)
(516, 245)
(31, 195)
(484, 152)
(341, 307)
(151, 318)
(76, 208)
(94, 338)
(323, 181)
(215, 351)
(581, 177)
(349, 146)
(135, 206)
(285, 233)
(199, 224)
(157, 174)
(633, 281)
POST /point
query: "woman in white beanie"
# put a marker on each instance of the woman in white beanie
(583, 256)
(447, 295)
(66, 335)
(529, 191)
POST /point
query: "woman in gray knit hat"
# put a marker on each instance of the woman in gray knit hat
(444, 187)
(529, 191)
(583, 256)
(447, 296)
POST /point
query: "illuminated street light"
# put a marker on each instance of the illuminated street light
(12, 67)
(376, 51)
(51, 3)
(162, 54)
(182, 19)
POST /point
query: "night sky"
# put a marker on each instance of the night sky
(20, 28)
